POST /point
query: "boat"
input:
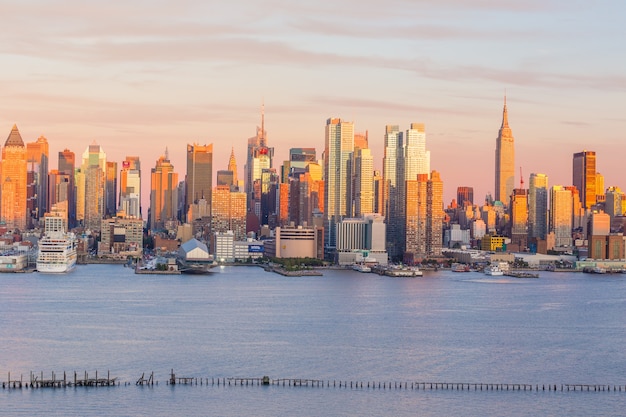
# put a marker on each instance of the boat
(404, 272)
(460, 267)
(361, 268)
(57, 248)
(493, 270)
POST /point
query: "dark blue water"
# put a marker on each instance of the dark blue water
(244, 322)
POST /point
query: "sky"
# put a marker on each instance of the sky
(140, 76)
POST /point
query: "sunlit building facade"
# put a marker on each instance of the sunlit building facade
(561, 215)
(338, 148)
(505, 160)
(130, 188)
(163, 193)
(13, 179)
(584, 177)
(538, 206)
(199, 178)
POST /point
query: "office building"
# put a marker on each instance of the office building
(163, 193)
(130, 188)
(561, 213)
(538, 206)
(13, 179)
(338, 148)
(584, 177)
(505, 160)
(199, 178)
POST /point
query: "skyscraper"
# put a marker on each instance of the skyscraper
(561, 215)
(505, 160)
(67, 166)
(110, 197)
(363, 194)
(37, 154)
(94, 186)
(163, 192)
(391, 183)
(415, 218)
(130, 187)
(199, 179)
(259, 157)
(338, 148)
(519, 218)
(13, 179)
(434, 215)
(584, 177)
(538, 206)
(229, 212)
(465, 195)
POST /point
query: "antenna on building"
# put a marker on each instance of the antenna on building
(521, 179)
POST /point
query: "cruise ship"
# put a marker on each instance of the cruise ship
(57, 248)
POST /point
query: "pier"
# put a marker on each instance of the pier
(38, 381)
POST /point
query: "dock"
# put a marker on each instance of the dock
(38, 381)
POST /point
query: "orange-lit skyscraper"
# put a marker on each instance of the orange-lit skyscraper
(505, 160)
(13, 181)
(163, 193)
(584, 177)
(519, 218)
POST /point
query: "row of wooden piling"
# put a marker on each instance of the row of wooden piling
(38, 381)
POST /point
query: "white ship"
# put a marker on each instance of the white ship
(494, 270)
(57, 248)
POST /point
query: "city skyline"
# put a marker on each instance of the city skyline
(136, 78)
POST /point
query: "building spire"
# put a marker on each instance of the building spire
(232, 165)
(167, 154)
(263, 141)
(505, 115)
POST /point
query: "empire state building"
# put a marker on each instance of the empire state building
(505, 160)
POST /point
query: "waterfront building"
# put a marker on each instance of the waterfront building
(296, 242)
(607, 247)
(338, 148)
(130, 187)
(434, 215)
(505, 160)
(37, 154)
(538, 206)
(163, 193)
(13, 179)
(561, 202)
(361, 240)
(199, 177)
(391, 185)
(121, 236)
(415, 219)
(584, 177)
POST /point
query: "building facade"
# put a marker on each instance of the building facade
(505, 160)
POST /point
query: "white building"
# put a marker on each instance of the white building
(362, 237)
